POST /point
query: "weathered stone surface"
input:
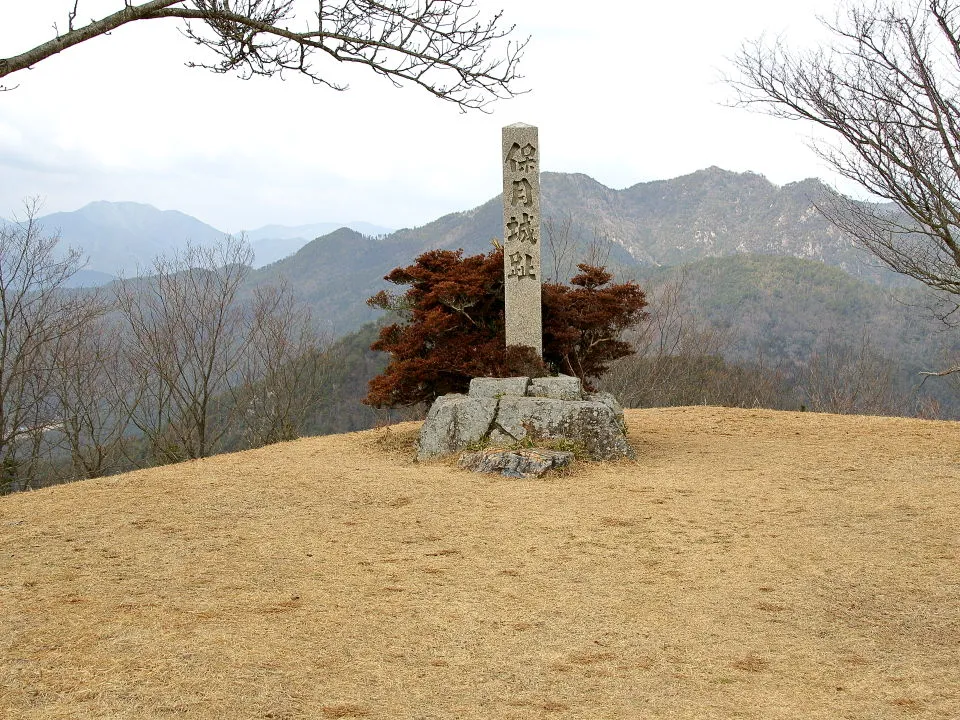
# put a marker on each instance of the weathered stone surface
(498, 387)
(455, 422)
(611, 402)
(520, 160)
(497, 412)
(592, 424)
(561, 387)
(524, 463)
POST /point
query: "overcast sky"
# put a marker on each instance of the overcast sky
(621, 90)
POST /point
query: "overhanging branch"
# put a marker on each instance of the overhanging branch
(442, 45)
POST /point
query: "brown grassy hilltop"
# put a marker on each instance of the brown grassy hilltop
(750, 564)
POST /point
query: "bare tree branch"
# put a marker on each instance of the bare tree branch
(442, 45)
(888, 89)
(942, 373)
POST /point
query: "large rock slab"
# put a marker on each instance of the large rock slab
(454, 423)
(523, 463)
(611, 402)
(590, 423)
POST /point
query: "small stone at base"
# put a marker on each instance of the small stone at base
(526, 463)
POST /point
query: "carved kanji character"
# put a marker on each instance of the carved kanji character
(522, 159)
(523, 229)
(522, 193)
(521, 265)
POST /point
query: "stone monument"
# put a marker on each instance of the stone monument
(520, 158)
(524, 411)
(501, 418)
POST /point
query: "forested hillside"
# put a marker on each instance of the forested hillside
(787, 307)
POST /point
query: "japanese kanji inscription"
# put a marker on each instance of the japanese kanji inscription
(521, 235)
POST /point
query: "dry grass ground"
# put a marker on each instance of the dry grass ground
(750, 564)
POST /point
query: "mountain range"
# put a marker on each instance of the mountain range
(756, 257)
(710, 213)
(644, 229)
(118, 238)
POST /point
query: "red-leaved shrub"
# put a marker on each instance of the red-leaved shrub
(451, 327)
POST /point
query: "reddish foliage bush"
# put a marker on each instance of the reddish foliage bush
(582, 324)
(452, 327)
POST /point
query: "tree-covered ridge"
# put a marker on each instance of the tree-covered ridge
(786, 306)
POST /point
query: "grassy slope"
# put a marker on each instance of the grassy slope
(750, 564)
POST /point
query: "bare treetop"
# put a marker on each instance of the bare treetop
(444, 46)
(887, 88)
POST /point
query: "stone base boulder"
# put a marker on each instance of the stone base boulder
(456, 421)
(508, 411)
(523, 463)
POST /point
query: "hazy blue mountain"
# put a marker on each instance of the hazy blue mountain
(119, 237)
(89, 279)
(311, 231)
(275, 242)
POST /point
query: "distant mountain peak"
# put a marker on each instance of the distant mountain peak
(120, 237)
(119, 204)
(343, 233)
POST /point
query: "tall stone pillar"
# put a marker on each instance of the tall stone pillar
(521, 236)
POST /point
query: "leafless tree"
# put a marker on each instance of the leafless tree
(654, 374)
(285, 368)
(444, 46)
(597, 250)
(93, 388)
(888, 91)
(566, 244)
(36, 313)
(211, 368)
(561, 245)
(185, 334)
(851, 379)
(679, 360)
